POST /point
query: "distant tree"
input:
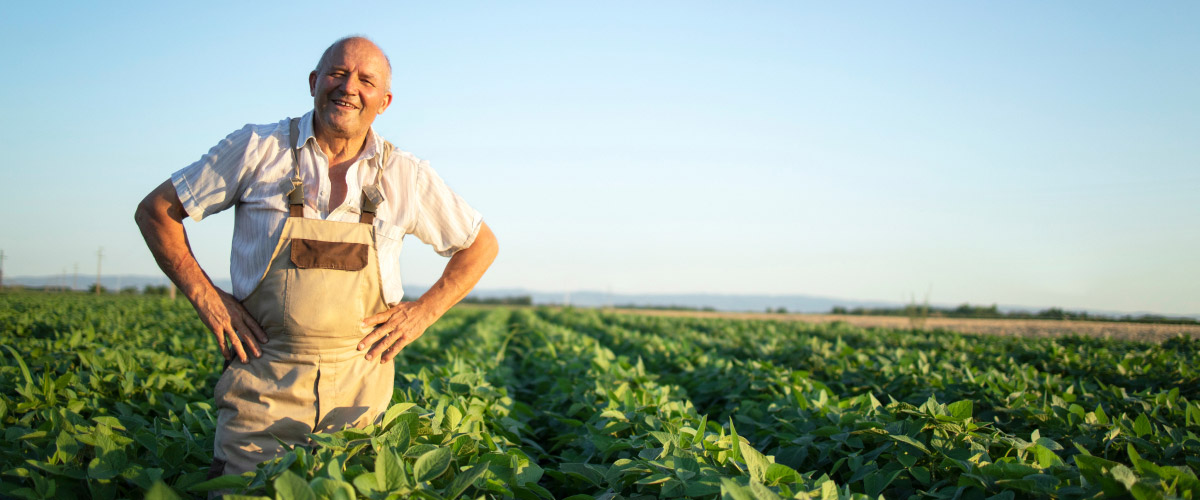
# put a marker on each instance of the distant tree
(519, 300)
(1052, 313)
(155, 289)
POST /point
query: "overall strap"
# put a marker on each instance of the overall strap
(372, 195)
(296, 195)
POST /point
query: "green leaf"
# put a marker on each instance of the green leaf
(366, 485)
(111, 422)
(1124, 475)
(700, 430)
(394, 412)
(585, 471)
(221, 483)
(686, 467)
(334, 468)
(160, 491)
(66, 447)
(21, 364)
(389, 471)
(289, 486)
(1045, 458)
(920, 474)
(526, 471)
(333, 489)
(432, 464)
(761, 492)
(59, 470)
(960, 410)
(656, 478)
(399, 435)
(614, 414)
(735, 443)
(909, 441)
(757, 463)
(877, 481)
(732, 490)
(1142, 426)
(107, 466)
(781, 474)
(464, 480)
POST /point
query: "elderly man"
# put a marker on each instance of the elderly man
(322, 204)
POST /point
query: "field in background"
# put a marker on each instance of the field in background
(1141, 332)
(109, 397)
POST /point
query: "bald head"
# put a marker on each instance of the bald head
(363, 42)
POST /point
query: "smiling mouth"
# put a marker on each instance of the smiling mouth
(344, 104)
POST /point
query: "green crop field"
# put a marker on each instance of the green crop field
(110, 397)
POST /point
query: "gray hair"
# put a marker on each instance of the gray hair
(329, 50)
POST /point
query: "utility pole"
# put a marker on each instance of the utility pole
(75, 280)
(99, 255)
(1, 268)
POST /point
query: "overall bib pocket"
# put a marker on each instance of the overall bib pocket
(314, 254)
(322, 274)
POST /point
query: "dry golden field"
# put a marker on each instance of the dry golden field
(1143, 332)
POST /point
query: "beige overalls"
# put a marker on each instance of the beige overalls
(322, 281)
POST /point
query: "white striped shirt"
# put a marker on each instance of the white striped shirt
(251, 170)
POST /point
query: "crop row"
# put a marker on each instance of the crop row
(109, 398)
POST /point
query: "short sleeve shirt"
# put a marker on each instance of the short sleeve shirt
(251, 170)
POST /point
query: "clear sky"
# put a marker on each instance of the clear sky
(1021, 153)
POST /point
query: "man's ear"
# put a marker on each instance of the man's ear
(312, 84)
(387, 101)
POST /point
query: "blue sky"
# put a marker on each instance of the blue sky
(1021, 153)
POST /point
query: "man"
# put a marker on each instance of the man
(322, 205)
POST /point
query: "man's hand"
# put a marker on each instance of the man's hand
(399, 326)
(395, 328)
(227, 319)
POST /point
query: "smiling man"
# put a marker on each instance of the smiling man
(322, 204)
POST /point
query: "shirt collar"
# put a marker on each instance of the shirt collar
(373, 147)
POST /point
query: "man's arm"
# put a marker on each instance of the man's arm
(401, 325)
(160, 218)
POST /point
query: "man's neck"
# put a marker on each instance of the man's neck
(339, 149)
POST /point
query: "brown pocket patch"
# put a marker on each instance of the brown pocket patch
(314, 254)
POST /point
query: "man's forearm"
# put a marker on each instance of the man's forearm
(462, 273)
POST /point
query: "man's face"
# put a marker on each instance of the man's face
(350, 88)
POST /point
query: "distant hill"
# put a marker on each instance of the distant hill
(586, 298)
(85, 282)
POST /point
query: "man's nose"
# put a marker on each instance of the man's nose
(350, 85)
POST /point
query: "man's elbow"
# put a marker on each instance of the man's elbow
(160, 205)
(141, 214)
(491, 246)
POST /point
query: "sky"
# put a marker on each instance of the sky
(1017, 153)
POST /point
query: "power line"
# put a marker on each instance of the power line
(99, 256)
